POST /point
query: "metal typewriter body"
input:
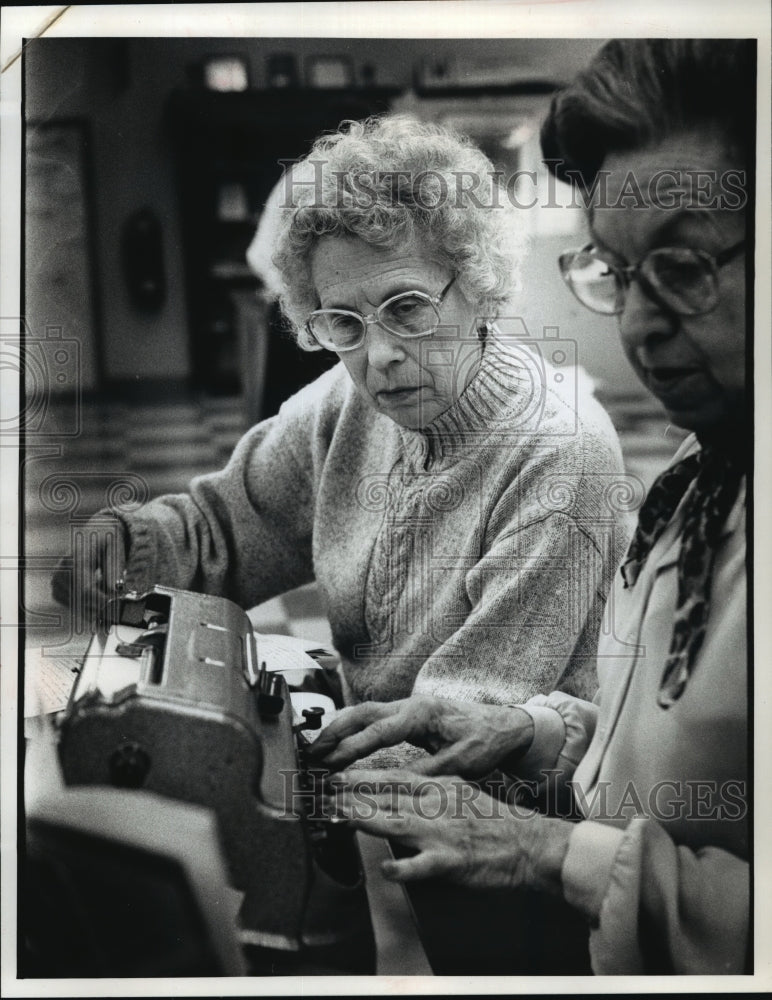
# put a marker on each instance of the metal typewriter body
(170, 699)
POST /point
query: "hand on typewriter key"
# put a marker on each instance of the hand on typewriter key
(88, 579)
(454, 830)
(465, 738)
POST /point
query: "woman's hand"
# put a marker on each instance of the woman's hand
(88, 580)
(457, 831)
(465, 738)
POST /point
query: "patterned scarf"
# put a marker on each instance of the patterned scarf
(716, 475)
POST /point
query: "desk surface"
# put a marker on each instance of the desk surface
(399, 950)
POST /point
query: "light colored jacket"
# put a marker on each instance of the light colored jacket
(659, 865)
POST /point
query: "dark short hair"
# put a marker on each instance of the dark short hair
(636, 92)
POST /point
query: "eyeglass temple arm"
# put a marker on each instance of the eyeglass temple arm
(723, 257)
(438, 298)
(726, 255)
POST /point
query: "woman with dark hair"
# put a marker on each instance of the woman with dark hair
(656, 764)
(636, 94)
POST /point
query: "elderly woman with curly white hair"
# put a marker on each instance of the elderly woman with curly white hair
(446, 498)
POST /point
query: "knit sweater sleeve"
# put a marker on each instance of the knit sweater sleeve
(244, 532)
(538, 591)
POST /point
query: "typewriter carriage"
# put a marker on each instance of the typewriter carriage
(169, 700)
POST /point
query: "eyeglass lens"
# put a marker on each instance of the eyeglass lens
(593, 281)
(683, 279)
(411, 314)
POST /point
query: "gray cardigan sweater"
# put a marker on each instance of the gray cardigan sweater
(470, 559)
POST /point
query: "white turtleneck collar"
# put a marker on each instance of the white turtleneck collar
(501, 389)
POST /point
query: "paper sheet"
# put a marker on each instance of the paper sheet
(284, 652)
(48, 680)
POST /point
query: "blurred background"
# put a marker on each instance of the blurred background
(152, 344)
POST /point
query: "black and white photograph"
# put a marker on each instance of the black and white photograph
(384, 453)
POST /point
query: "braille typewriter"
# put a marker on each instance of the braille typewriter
(175, 698)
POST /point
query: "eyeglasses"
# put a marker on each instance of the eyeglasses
(407, 315)
(682, 280)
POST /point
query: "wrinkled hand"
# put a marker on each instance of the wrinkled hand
(86, 581)
(458, 831)
(465, 738)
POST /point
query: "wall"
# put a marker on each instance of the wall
(120, 87)
(545, 301)
(120, 92)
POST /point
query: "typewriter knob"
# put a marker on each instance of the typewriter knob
(129, 765)
(313, 717)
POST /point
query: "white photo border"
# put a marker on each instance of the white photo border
(459, 19)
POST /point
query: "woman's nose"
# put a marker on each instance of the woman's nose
(383, 348)
(644, 321)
